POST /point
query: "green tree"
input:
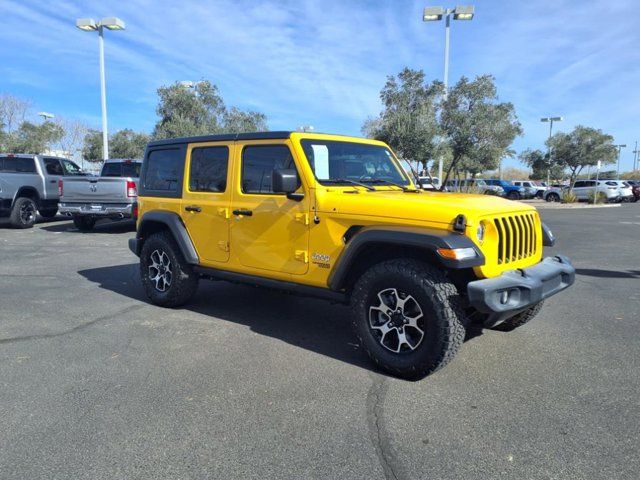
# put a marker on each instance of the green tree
(538, 161)
(408, 123)
(477, 128)
(583, 147)
(128, 144)
(92, 147)
(122, 144)
(33, 138)
(200, 110)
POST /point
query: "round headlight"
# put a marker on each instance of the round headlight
(480, 232)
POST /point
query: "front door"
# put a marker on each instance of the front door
(53, 173)
(206, 198)
(269, 231)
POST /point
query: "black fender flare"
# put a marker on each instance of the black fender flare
(175, 225)
(429, 239)
(31, 193)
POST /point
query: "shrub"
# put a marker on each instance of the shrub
(569, 197)
(602, 198)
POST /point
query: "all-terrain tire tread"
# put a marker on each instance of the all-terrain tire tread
(444, 296)
(519, 319)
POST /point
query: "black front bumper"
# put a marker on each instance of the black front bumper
(516, 290)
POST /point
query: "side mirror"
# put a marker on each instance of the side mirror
(286, 181)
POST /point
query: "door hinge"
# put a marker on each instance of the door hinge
(302, 218)
(223, 212)
(224, 246)
(302, 256)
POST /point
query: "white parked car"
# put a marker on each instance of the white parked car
(429, 183)
(583, 188)
(626, 191)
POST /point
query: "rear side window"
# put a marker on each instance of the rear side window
(208, 170)
(258, 163)
(17, 165)
(163, 170)
(578, 184)
(53, 166)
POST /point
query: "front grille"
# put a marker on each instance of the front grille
(517, 238)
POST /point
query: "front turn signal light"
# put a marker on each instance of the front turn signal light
(457, 253)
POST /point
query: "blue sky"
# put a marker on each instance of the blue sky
(323, 62)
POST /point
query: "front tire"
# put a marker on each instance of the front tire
(168, 280)
(84, 224)
(553, 197)
(23, 214)
(408, 317)
(520, 319)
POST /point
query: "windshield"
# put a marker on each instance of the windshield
(333, 162)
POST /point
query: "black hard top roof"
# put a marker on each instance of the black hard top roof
(223, 138)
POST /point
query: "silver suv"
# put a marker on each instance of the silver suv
(30, 184)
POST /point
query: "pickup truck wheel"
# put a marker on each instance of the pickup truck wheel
(519, 319)
(23, 214)
(168, 280)
(408, 317)
(84, 224)
(513, 195)
(48, 213)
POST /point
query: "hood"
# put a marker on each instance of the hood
(427, 206)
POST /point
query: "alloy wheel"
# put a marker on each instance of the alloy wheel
(27, 212)
(160, 272)
(397, 321)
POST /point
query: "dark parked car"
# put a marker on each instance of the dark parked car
(635, 188)
(511, 191)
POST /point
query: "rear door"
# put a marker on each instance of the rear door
(268, 230)
(206, 199)
(579, 189)
(53, 172)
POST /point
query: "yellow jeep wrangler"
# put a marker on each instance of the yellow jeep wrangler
(338, 218)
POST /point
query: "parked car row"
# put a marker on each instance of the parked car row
(612, 190)
(31, 184)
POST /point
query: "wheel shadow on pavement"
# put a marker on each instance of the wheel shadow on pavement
(595, 272)
(104, 226)
(315, 325)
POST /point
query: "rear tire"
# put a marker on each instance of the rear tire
(553, 197)
(513, 196)
(422, 328)
(519, 319)
(84, 224)
(23, 214)
(48, 213)
(168, 280)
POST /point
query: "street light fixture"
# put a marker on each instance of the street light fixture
(88, 25)
(435, 14)
(619, 146)
(550, 120)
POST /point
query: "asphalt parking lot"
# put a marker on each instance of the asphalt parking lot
(250, 383)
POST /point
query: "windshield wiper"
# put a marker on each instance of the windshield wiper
(352, 182)
(388, 182)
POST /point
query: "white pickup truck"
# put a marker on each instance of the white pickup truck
(112, 195)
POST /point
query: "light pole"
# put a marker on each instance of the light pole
(435, 14)
(88, 25)
(635, 157)
(619, 147)
(550, 120)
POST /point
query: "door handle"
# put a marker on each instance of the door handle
(244, 213)
(193, 208)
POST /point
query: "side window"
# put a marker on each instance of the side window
(163, 170)
(258, 163)
(53, 166)
(208, 170)
(71, 168)
(578, 184)
(18, 165)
